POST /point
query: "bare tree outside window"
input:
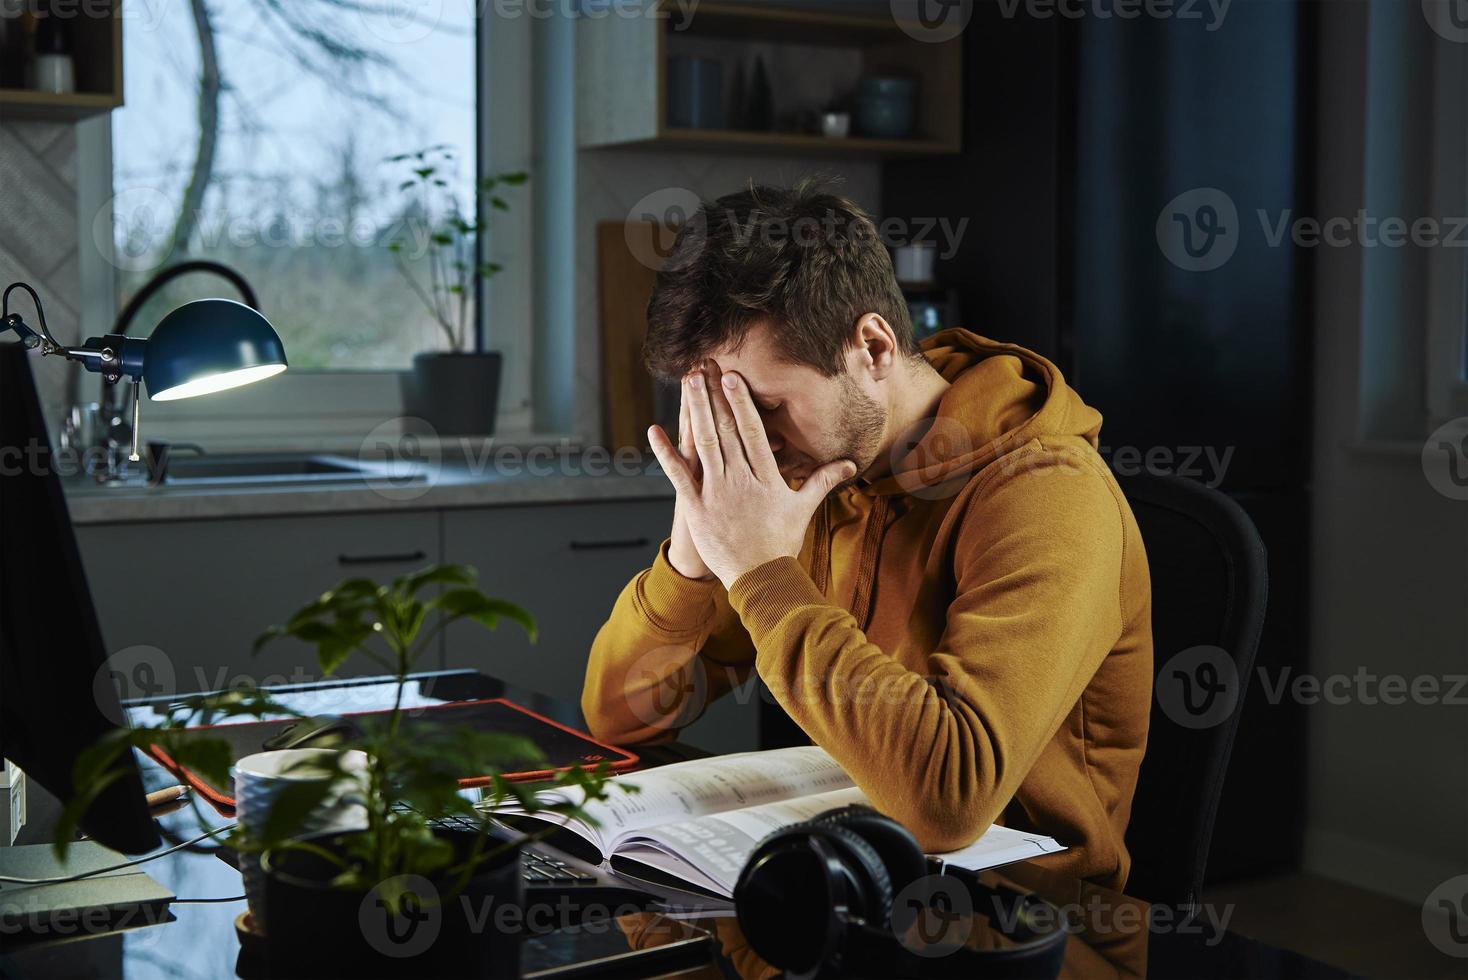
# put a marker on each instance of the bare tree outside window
(257, 133)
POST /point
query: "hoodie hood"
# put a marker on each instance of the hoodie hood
(1000, 397)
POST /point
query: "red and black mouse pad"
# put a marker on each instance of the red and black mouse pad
(561, 746)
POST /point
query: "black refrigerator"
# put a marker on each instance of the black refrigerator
(1126, 181)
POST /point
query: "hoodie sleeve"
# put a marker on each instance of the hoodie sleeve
(671, 647)
(1037, 606)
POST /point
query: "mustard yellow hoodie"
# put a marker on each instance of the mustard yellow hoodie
(970, 636)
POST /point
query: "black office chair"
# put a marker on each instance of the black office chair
(1210, 585)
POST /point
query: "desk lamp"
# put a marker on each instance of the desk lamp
(202, 347)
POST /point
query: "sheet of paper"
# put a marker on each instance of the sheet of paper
(1000, 845)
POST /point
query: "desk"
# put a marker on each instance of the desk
(1116, 935)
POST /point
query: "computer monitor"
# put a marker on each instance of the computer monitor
(51, 647)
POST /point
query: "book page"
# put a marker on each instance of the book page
(710, 851)
(701, 787)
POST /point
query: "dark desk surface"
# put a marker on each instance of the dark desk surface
(1112, 934)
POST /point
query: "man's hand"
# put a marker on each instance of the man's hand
(682, 554)
(739, 511)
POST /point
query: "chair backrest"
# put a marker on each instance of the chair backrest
(1210, 586)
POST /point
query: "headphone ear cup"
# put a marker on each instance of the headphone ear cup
(787, 892)
(871, 881)
(898, 848)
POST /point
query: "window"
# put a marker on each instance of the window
(261, 134)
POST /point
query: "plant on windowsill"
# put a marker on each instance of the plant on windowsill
(343, 902)
(456, 389)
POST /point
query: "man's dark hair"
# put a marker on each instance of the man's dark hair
(810, 263)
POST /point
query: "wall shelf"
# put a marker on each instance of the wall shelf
(97, 51)
(812, 57)
(754, 142)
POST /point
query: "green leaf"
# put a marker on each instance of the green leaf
(435, 575)
(515, 177)
(482, 609)
(406, 184)
(270, 635)
(498, 203)
(424, 172)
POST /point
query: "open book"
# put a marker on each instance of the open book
(693, 825)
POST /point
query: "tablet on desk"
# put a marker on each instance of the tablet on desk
(561, 746)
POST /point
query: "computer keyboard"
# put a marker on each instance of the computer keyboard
(536, 867)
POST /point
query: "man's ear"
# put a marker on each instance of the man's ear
(875, 345)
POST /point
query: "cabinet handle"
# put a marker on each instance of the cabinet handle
(395, 559)
(607, 545)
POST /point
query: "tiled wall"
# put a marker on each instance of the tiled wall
(39, 237)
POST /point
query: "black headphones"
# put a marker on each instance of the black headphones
(816, 900)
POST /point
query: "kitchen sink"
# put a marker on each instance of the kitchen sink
(275, 469)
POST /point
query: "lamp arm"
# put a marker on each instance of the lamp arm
(28, 336)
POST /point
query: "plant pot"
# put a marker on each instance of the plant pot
(455, 393)
(313, 929)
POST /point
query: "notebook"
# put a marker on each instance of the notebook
(694, 824)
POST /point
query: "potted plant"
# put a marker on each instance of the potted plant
(456, 389)
(350, 902)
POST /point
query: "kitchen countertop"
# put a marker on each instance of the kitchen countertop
(554, 477)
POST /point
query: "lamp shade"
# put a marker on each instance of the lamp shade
(210, 345)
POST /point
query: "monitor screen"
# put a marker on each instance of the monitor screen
(51, 650)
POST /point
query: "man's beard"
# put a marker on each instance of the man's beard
(860, 424)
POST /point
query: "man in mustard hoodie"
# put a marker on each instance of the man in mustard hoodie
(919, 550)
